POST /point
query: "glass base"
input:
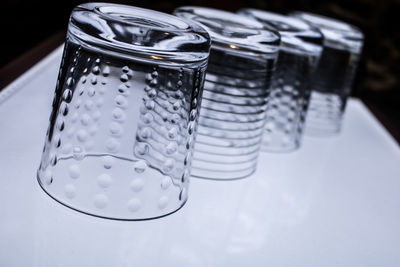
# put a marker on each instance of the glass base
(112, 188)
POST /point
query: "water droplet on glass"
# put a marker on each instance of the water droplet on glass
(150, 104)
(100, 201)
(176, 106)
(121, 101)
(81, 90)
(164, 116)
(96, 115)
(145, 133)
(183, 195)
(152, 93)
(70, 82)
(154, 74)
(163, 202)
(134, 205)
(53, 160)
(78, 153)
(64, 109)
(172, 133)
(67, 95)
(187, 159)
(149, 77)
(60, 124)
(93, 80)
(143, 109)
(188, 145)
(169, 85)
(165, 182)
(48, 177)
(104, 180)
(106, 71)
(168, 165)
(82, 135)
(70, 191)
(74, 171)
(179, 84)
(91, 91)
(118, 114)
(194, 103)
(115, 129)
(96, 70)
(112, 145)
(140, 166)
(89, 104)
(171, 148)
(185, 176)
(175, 118)
(142, 149)
(153, 82)
(148, 118)
(124, 77)
(123, 89)
(85, 119)
(147, 88)
(137, 184)
(125, 69)
(56, 140)
(107, 161)
(178, 95)
(193, 115)
(191, 127)
(99, 102)
(66, 148)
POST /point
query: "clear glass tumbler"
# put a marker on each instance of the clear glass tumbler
(232, 116)
(121, 130)
(334, 75)
(299, 52)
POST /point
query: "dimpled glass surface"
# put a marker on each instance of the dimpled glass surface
(121, 132)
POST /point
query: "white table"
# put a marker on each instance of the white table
(334, 202)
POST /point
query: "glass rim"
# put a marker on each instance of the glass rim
(296, 24)
(326, 23)
(337, 34)
(296, 35)
(230, 31)
(127, 30)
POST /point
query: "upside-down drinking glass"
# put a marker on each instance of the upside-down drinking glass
(232, 115)
(299, 52)
(124, 117)
(334, 75)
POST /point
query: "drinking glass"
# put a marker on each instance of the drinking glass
(334, 75)
(124, 115)
(236, 91)
(299, 52)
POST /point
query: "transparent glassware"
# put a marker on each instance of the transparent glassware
(299, 52)
(121, 132)
(232, 116)
(334, 75)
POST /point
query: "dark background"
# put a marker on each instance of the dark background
(25, 23)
